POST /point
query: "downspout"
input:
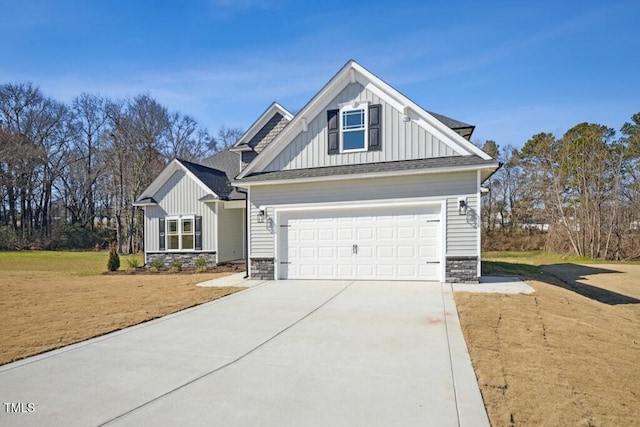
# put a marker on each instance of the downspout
(246, 233)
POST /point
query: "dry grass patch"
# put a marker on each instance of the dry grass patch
(62, 300)
(566, 355)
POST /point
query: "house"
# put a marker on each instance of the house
(192, 211)
(361, 183)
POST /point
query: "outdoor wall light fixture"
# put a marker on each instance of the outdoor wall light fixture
(462, 205)
(261, 215)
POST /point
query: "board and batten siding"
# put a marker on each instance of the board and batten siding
(230, 233)
(441, 186)
(400, 140)
(179, 196)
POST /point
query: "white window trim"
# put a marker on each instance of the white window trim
(179, 218)
(354, 106)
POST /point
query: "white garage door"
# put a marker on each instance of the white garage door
(399, 243)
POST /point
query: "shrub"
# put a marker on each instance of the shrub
(201, 264)
(133, 262)
(153, 269)
(114, 260)
(176, 266)
(158, 264)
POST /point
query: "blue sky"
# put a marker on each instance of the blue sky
(511, 68)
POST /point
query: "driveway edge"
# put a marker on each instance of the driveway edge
(471, 410)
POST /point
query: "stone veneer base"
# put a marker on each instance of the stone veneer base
(188, 259)
(262, 268)
(461, 269)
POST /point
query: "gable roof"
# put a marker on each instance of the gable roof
(462, 128)
(243, 143)
(228, 162)
(216, 180)
(216, 183)
(353, 72)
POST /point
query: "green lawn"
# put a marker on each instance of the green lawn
(74, 263)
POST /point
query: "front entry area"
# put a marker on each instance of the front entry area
(361, 243)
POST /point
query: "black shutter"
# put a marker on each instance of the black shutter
(375, 127)
(198, 231)
(333, 131)
(161, 238)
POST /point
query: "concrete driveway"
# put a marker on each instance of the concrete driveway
(286, 353)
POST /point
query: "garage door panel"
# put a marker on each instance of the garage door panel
(406, 271)
(326, 252)
(327, 270)
(326, 234)
(308, 252)
(428, 253)
(383, 252)
(428, 231)
(395, 245)
(406, 252)
(428, 270)
(364, 234)
(385, 233)
(308, 235)
(406, 232)
(345, 234)
(345, 270)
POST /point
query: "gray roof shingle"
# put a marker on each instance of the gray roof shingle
(401, 165)
(217, 179)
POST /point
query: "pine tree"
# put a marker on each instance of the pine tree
(114, 260)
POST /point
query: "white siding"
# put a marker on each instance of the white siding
(230, 233)
(444, 186)
(179, 196)
(400, 140)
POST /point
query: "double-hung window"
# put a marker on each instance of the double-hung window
(353, 126)
(356, 126)
(180, 233)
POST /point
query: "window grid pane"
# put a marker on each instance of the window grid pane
(353, 140)
(173, 242)
(187, 241)
(353, 120)
(180, 234)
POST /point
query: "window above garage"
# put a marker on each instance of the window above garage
(356, 126)
(354, 129)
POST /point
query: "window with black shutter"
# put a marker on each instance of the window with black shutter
(355, 127)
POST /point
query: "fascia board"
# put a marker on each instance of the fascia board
(330, 90)
(166, 173)
(197, 181)
(364, 175)
(155, 185)
(425, 120)
(261, 121)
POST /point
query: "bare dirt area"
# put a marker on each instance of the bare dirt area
(44, 310)
(567, 355)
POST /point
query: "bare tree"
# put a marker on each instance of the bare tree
(186, 139)
(225, 138)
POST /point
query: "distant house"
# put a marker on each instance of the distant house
(361, 183)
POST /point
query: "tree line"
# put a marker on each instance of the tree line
(69, 173)
(576, 194)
